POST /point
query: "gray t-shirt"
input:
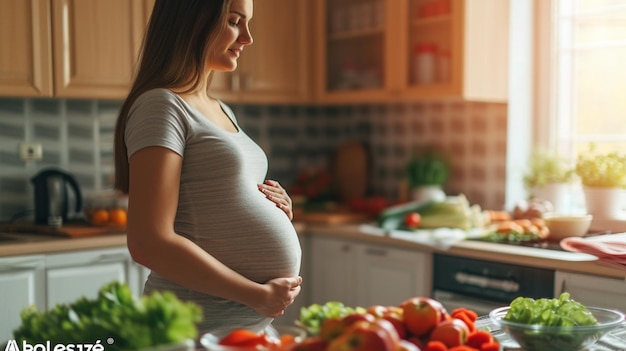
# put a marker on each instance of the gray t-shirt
(220, 207)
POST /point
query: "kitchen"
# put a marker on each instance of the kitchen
(287, 109)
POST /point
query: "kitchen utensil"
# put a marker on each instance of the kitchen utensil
(54, 190)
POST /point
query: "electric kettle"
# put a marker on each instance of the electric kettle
(53, 197)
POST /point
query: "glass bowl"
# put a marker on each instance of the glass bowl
(534, 337)
(210, 341)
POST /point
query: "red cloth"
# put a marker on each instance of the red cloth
(610, 249)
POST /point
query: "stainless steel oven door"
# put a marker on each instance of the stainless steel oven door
(451, 301)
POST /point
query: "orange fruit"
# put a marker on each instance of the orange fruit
(117, 217)
(100, 217)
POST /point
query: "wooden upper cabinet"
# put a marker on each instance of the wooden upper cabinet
(354, 50)
(407, 50)
(96, 44)
(276, 67)
(464, 42)
(25, 48)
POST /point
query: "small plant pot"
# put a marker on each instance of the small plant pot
(604, 202)
(557, 193)
(428, 193)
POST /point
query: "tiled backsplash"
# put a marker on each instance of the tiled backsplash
(77, 136)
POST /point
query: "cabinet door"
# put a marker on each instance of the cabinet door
(276, 67)
(73, 275)
(388, 276)
(25, 52)
(416, 50)
(592, 290)
(96, 45)
(354, 52)
(333, 271)
(21, 285)
(455, 48)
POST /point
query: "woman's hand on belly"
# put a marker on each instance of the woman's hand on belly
(281, 292)
(274, 192)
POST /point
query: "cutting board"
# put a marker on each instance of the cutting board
(66, 230)
(330, 217)
(350, 170)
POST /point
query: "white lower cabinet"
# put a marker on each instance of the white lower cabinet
(592, 290)
(72, 275)
(388, 276)
(22, 284)
(363, 274)
(57, 278)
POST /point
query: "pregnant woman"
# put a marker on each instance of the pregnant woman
(202, 216)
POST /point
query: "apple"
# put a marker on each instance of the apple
(379, 335)
(333, 327)
(391, 313)
(377, 310)
(418, 341)
(313, 343)
(452, 332)
(406, 345)
(422, 314)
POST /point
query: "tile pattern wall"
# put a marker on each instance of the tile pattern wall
(77, 136)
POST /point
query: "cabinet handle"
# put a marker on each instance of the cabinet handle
(484, 282)
(235, 84)
(375, 252)
(246, 81)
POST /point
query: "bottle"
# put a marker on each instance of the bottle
(424, 63)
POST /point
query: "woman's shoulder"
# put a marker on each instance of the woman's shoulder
(158, 93)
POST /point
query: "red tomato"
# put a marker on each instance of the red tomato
(413, 220)
(246, 338)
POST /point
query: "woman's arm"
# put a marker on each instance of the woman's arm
(152, 202)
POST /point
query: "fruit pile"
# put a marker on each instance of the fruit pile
(417, 324)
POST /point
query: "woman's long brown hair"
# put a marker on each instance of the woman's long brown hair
(174, 53)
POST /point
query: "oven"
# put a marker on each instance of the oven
(482, 285)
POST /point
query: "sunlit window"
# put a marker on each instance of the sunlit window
(582, 75)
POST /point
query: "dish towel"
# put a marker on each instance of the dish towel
(610, 249)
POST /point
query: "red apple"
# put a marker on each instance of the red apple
(377, 310)
(391, 313)
(417, 341)
(310, 344)
(378, 335)
(406, 345)
(333, 327)
(452, 332)
(422, 314)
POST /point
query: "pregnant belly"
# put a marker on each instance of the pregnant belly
(260, 244)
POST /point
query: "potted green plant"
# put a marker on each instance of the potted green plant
(426, 176)
(603, 176)
(549, 177)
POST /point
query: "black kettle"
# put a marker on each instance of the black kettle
(52, 199)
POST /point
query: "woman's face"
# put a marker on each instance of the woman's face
(230, 43)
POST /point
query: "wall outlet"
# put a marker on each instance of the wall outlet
(31, 152)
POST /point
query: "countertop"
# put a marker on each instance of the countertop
(527, 256)
(532, 257)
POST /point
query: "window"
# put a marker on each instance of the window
(580, 79)
(581, 75)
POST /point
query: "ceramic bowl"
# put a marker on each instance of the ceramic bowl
(210, 341)
(562, 226)
(552, 338)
